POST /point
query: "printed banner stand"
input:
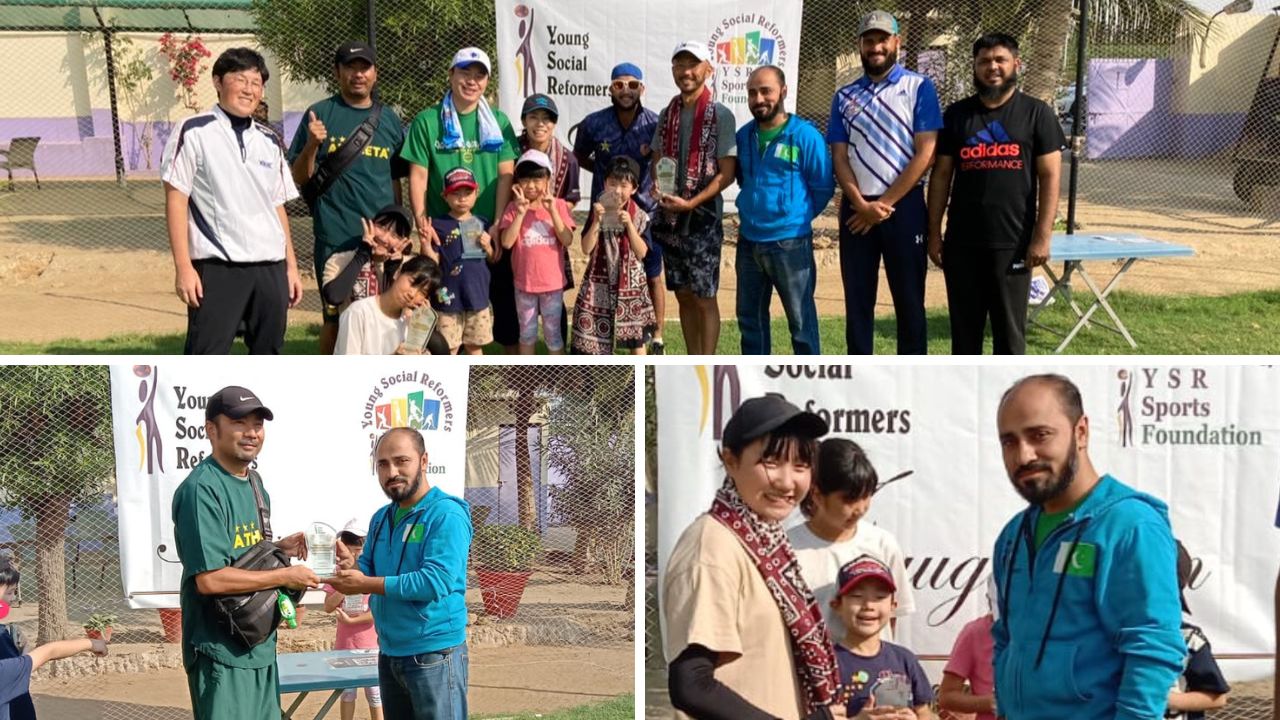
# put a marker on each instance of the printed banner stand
(1203, 438)
(316, 460)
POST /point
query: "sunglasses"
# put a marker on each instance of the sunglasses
(628, 84)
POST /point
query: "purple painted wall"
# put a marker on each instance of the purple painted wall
(1131, 115)
(80, 147)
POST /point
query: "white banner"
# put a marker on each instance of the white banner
(566, 49)
(316, 456)
(1201, 438)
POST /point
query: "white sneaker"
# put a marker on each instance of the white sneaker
(1039, 292)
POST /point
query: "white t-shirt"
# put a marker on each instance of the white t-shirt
(363, 329)
(820, 563)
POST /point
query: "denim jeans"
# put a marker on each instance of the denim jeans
(788, 266)
(430, 686)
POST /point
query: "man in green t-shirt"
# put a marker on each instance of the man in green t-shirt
(463, 131)
(368, 184)
(215, 519)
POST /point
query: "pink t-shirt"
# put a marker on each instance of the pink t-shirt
(536, 258)
(354, 637)
(972, 658)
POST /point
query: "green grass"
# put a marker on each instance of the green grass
(1242, 324)
(622, 707)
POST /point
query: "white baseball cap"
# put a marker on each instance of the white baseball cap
(356, 527)
(537, 157)
(468, 55)
(696, 49)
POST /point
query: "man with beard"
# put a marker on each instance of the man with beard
(697, 133)
(414, 565)
(215, 521)
(625, 129)
(1089, 617)
(784, 171)
(999, 160)
(882, 131)
(368, 184)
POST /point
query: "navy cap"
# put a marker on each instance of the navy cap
(540, 102)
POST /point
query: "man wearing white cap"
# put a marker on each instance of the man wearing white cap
(463, 131)
(698, 134)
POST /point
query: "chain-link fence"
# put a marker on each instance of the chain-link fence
(1247, 701)
(550, 589)
(1179, 132)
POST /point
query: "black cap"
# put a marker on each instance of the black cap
(354, 51)
(540, 102)
(235, 402)
(1184, 575)
(762, 415)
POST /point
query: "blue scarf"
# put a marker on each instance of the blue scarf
(491, 139)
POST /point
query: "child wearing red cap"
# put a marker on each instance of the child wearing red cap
(465, 252)
(874, 673)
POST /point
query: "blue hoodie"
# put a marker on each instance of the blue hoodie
(423, 560)
(784, 188)
(1102, 639)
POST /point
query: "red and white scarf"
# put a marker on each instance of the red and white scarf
(767, 544)
(702, 164)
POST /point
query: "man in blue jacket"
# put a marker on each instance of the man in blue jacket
(1089, 611)
(784, 170)
(414, 565)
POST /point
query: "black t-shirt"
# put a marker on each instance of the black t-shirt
(993, 189)
(1201, 673)
(465, 281)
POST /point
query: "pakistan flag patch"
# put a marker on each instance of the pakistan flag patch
(1081, 563)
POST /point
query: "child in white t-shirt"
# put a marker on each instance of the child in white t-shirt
(833, 534)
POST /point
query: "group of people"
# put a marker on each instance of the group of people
(1085, 600)
(480, 253)
(399, 586)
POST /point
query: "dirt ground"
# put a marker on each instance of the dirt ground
(90, 260)
(570, 643)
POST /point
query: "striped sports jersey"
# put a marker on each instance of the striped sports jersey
(878, 122)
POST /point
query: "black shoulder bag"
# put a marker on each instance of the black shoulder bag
(337, 162)
(252, 617)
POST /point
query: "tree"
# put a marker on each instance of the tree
(592, 427)
(55, 449)
(415, 39)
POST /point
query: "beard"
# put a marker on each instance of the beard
(766, 113)
(624, 102)
(889, 60)
(412, 483)
(1038, 494)
(997, 91)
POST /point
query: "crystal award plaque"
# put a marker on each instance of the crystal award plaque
(665, 176)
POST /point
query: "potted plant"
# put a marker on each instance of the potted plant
(98, 626)
(504, 557)
(171, 624)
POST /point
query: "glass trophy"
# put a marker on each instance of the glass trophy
(353, 604)
(320, 552)
(609, 222)
(665, 176)
(471, 229)
(421, 323)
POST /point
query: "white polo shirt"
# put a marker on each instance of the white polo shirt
(232, 189)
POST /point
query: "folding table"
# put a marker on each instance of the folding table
(1074, 251)
(334, 670)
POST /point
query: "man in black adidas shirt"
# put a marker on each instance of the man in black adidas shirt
(998, 161)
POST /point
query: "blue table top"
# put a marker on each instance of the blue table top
(1112, 246)
(330, 670)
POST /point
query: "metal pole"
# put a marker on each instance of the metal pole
(371, 16)
(1077, 137)
(111, 91)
